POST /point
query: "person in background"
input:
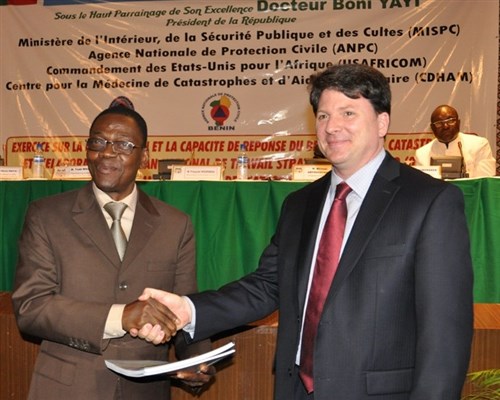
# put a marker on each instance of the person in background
(449, 141)
(122, 101)
(397, 320)
(75, 291)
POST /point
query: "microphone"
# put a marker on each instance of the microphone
(464, 171)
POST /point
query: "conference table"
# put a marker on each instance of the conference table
(234, 221)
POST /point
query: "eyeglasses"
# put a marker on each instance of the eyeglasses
(448, 121)
(119, 147)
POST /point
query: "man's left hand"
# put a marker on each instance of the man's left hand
(197, 379)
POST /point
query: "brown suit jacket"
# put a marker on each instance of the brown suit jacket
(69, 274)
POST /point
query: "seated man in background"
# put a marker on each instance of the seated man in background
(449, 141)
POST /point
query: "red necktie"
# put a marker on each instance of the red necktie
(326, 265)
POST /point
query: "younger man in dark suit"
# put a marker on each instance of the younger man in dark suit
(397, 320)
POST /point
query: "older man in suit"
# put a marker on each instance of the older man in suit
(78, 292)
(396, 323)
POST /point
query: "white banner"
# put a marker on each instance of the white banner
(238, 70)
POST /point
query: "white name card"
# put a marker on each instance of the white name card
(196, 173)
(70, 172)
(432, 170)
(11, 173)
(310, 172)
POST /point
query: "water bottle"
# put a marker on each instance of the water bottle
(38, 166)
(242, 163)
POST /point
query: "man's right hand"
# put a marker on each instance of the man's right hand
(151, 315)
(175, 303)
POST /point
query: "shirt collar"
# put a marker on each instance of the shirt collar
(103, 198)
(361, 180)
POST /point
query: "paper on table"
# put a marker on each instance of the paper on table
(138, 368)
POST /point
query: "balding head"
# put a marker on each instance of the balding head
(445, 123)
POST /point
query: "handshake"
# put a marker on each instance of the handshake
(156, 316)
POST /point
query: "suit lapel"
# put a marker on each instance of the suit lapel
(310, 226)
(88, 216)
(146, 221)
(375, 205)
